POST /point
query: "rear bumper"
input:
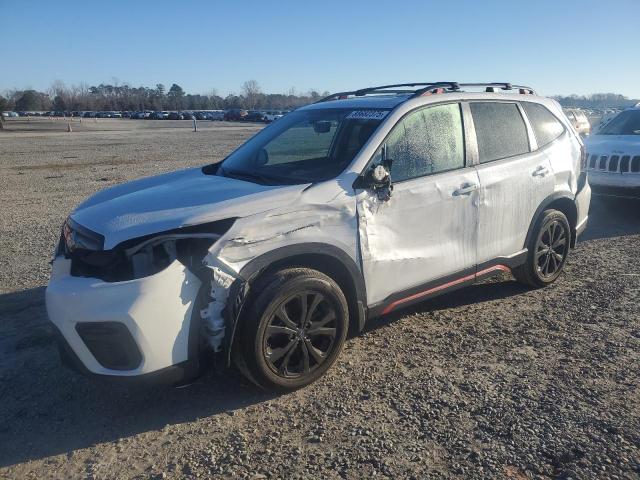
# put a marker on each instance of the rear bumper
(154, 314)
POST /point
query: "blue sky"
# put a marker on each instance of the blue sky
(561, 46)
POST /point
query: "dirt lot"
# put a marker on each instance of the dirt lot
(489, 382)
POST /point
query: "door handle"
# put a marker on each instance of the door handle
(465, 188)
(541, 171)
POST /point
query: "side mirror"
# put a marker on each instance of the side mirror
(379, 174)
(322, 126)
(378, 178)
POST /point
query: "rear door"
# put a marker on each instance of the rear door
(427, 229)
(514, 178)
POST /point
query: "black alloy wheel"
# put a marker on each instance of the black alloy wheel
(292, 330)
(552, 249)
(300, 334)
(548, 248)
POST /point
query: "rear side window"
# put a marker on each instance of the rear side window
(545, 125)
(426, 141)
(500, 130)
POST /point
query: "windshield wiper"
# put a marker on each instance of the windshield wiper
(256, 177)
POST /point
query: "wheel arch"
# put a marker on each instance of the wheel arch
(325, 258)
(563, 202)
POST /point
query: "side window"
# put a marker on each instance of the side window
(500, 130)
(426, 141)
(545, 125)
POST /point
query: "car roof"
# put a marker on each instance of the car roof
(378, 101)
(393, 100)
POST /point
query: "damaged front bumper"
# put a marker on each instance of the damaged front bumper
(126, 329)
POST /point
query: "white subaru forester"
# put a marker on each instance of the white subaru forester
(347, 209)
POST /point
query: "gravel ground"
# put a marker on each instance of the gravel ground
(495, 381)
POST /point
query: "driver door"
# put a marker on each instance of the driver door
(424, 237)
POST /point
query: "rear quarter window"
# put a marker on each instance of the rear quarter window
(500, 130)
(546, 126)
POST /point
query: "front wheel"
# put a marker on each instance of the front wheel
(548, 250)
(294, 329)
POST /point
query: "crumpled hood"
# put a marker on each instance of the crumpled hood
(613, 144)
(164, 202)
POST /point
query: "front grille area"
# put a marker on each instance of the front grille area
(614, 163)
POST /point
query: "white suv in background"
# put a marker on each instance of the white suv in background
(272, 116)
(353, 207)
(579, 120)
(614, 155)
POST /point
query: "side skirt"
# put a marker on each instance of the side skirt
(447, 284)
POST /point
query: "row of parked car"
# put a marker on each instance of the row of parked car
(236, 114)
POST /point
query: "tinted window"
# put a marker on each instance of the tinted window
(500, 130)
(426, 141)
(545, 125)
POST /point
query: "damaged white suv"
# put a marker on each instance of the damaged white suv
(347, 209)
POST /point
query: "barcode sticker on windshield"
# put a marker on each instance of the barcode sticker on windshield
(367, 114)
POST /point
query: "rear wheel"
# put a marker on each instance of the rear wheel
(294, 329)
(548, 250)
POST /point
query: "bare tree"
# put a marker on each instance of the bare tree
(251, 92)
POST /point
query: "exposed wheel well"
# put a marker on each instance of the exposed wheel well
(331, 267)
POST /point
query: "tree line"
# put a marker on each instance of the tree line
(596, 100)
(107, 97)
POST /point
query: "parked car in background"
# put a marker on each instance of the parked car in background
(216, 115)
(175, 116)
(235, 114)
(606, 117)
(614, 155)
(187, 115)
(254, 116)
(271, 256)
(156, 116)
(272, 115)
(579, 120)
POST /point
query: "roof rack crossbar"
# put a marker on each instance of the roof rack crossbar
(451, 86)
(501, 85)
(424, 87)
(386, 89)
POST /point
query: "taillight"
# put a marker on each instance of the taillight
(583, 158)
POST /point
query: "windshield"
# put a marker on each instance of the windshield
(305, 146)
(626, 123)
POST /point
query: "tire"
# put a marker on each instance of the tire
(279, 351)
(548, 249)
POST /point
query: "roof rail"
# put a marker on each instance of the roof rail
(393, 88)
(424, 88)
(501, 86)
